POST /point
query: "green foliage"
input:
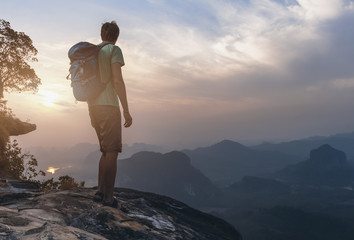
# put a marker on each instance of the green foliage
(21, 165)
(16, 49)
(48, 185)
(5, 114)
(65, 183)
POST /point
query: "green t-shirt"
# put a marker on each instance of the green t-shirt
(108, 54)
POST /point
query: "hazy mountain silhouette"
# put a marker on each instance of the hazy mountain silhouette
(128, 151)
(169, 174)
(302, 147)
(62, 156)
(81, 160)
(228, 161)
(326, 166)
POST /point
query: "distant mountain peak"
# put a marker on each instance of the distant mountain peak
(326, 166)
(170, 174)
(180, 156)
(326, 154)
(229, 144)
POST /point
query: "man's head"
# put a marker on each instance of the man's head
(110, 32)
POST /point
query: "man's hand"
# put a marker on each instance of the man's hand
(128, 119)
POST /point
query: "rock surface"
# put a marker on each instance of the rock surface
(15, 126)
(73, 215)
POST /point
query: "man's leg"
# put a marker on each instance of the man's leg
(100, 165)
(107, 175)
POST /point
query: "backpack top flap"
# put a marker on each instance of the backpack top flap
(82, 50)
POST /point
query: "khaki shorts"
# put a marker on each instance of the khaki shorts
(106, 120)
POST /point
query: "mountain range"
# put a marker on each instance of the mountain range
(301, 147)
(229, 161)
(312, 200)
(292, 202)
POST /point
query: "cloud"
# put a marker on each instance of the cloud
(267, 62)
(318, 10)
(259, 36)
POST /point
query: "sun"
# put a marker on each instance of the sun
(52, 170)
(49, 98)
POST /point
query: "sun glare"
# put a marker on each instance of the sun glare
(52, 170)
(48, 98)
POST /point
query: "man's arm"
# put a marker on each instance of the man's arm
(119, 86)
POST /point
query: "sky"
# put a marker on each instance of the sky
(197, 71)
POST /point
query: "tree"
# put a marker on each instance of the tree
(21, 165)
(16, 50)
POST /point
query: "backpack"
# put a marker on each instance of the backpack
(84, 71)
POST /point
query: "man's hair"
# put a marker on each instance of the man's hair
(109, 31)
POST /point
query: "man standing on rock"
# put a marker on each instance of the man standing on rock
(105, 113)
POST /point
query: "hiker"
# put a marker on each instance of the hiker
(105, 113)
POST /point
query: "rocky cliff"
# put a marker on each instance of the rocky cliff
(11, 126)
(73, 215)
